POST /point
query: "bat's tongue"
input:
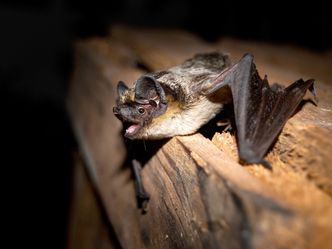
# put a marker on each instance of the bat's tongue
(132, 129)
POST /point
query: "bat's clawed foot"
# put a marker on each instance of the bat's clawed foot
(142, 201)
(226, 124)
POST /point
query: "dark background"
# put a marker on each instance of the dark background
(35, 64)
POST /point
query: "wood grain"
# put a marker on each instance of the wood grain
(200, 196)
(87, 227)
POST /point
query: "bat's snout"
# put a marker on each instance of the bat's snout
(116, 110)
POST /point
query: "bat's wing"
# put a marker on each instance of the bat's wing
(260, 111)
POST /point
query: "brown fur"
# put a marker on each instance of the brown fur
(187, 109)
(127, 97)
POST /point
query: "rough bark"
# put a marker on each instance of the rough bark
(201, 197)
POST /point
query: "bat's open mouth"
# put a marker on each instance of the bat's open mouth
(132, 129)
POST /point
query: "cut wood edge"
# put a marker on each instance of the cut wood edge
(263, 211)
(203, 150)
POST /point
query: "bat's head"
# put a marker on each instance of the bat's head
(137, 106)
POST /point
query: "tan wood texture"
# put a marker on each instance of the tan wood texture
(201, 197)
(88, 225)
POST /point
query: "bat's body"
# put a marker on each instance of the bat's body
(184, 114)
(178, 101)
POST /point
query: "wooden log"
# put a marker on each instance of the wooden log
(200, 196)
(282, 64)
(87, 227)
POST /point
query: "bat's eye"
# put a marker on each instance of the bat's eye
(141, 110)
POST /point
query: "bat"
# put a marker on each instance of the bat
(181, 99)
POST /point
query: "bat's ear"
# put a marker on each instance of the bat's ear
(122, 87)
(148, 90)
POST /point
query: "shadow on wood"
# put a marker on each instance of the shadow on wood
(200, 196)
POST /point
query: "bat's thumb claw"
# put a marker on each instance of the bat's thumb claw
(248, 155)
(248, 56)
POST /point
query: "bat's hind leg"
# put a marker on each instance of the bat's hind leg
(142, 196)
